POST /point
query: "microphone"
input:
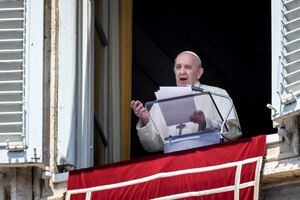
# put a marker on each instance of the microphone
(198, 89)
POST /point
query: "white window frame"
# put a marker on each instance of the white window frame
(276, 57)
(76, 108)
(75, 84)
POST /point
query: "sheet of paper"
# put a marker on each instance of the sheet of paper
(169, 92)
(179, 110)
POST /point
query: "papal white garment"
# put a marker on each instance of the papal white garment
(153, 134)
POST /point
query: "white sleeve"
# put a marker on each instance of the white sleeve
(150, 139)
(212, 124)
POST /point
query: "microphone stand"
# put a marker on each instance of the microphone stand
(198, 89)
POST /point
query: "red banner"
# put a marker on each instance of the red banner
(229, 170)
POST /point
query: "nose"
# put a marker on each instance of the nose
(182, 70)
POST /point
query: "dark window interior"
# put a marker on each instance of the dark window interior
(233, 39)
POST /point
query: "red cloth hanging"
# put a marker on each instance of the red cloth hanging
(177, 173)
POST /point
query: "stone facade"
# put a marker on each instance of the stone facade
(281, 170)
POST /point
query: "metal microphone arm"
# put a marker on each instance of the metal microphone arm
(198, 89)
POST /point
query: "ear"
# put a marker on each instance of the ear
(200, 72)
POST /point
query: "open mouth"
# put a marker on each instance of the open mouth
(183, 78)
(183, 81)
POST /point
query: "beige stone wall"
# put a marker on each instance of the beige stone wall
(18, 183)
(290, 191)
(281, 170)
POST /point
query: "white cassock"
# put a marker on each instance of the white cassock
(153, 134)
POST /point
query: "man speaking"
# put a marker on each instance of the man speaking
(188, 71)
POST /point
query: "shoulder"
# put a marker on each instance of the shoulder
(214, 89)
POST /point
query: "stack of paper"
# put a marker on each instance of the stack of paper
(176, 110)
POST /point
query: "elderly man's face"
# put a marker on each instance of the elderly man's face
(186, 70)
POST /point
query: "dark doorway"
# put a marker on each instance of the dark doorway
(233, 39)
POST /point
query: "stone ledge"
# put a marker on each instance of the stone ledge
(278, 172)
(281, 165)
(273, 138)
(60, 184)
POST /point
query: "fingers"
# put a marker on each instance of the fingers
(195, 119)
(140, 111)
(137, 107)
(199, 112)
(135, 104)
(198, 117)
(132, 103)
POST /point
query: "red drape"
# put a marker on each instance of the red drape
(174, 173)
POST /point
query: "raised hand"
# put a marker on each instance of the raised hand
(140, 111)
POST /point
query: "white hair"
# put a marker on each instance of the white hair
(199, 62)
